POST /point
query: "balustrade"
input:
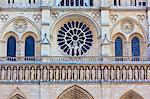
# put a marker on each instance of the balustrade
(73, 59)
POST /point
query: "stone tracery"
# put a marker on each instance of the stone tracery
(127, 26)
(20, 25)
(75, 38)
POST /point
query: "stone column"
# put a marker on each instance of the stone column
(45, 41)
(105, 32)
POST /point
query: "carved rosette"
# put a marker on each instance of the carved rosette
(20, 25)
(127, 26)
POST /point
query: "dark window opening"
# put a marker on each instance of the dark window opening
(8, 1)
(62, 3)
(119, 3)
(81, 2)
(11, 47)
(91, 2)
(118, 49)
(115, 3)
(67, 2)
(29, 46)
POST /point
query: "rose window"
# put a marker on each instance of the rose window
(75, 38)
(127, 26)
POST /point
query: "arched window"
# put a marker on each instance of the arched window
(11, 47)
(135, 47)
(118, 47)
(29, 46)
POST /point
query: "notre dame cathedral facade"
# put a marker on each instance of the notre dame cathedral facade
(74, 49)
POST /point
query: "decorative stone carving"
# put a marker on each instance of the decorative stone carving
(37, 17)
(75, 38)
(127, 26)
(20, 25)
(4, 17)
(114, 17)
(106, 40)
(54, 15)
(45, 39)
(95, 15)
(141, 17)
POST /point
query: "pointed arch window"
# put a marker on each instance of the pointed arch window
(118, 47)
(29, 47)
(11, 47)
(135, 47)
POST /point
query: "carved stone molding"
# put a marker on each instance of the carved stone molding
(114, 17)
(127, 26)
(95, 15)
(20, 25)
(37, 17)
(141, 17)
(4, 17)
(54, 15)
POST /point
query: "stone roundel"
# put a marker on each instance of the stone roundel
(127, 26)
(75, 38)
(20, 25)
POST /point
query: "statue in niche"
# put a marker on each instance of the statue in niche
(142, 73)
(63, 73)
(130, 73)
(81, 73)
(20, 72)
(69, 73)
(124, 73)
(99, 73)
(32, 73)
(136, 72)
(38, 73)
(93, 73)
(51, 74)
(87, 73)
(2, 74)
(14, 73)
(57, 73)
(27, 73)
(44, 73)
(118, 73)
(75, 73)
(9, 73)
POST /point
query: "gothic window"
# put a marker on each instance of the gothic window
(29, 46)
(11, 47)
(118, 47)
(135, 47)
(75, 38)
